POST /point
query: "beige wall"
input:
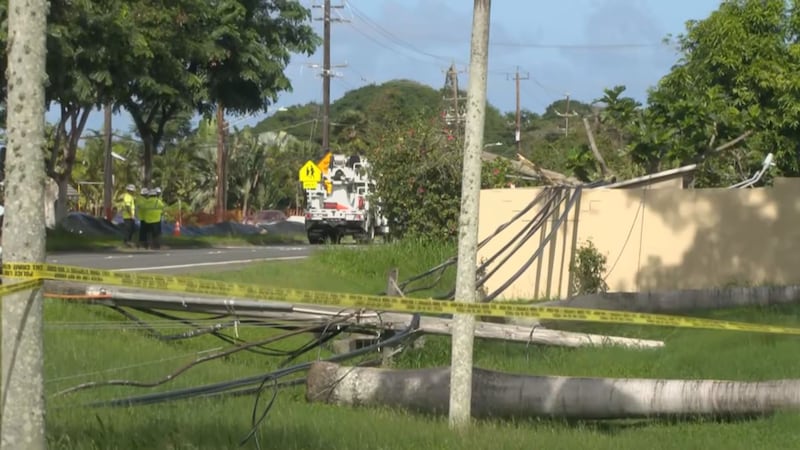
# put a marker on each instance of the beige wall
(654, 239)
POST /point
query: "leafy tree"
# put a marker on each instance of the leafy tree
(198, 55)
(618, 116)
(563, 105)
(302, 121)
(418, 176)
(280, 188)
(89, 168)
(251, 44)
(738, 71)
(82, 58)
(246, 169)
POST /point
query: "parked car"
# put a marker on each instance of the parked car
(265, 217)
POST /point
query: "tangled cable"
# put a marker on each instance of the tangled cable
(550, 198)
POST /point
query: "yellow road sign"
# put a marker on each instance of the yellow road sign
(310, 175)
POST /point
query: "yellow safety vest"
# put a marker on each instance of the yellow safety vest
(154, 209)
(128, 206)
(142, 207)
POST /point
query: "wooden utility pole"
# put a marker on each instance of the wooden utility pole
(326, 77)
(23, 405)
(220, 194)
(327, 74)
(108, 163)
(518, 130)
(466, 291)
(566, 115)
(596, 151)
(452, 113)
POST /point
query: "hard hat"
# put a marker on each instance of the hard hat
(145, 191)
(130, 188)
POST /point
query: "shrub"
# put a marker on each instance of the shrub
(588, 270)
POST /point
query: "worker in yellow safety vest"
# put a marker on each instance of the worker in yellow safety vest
(143, 206)
(129, 214)
(152, 218)
(155, 219)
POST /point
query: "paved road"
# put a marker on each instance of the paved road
(180, 260)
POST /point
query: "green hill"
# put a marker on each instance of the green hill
(544, 138)
(394, 101)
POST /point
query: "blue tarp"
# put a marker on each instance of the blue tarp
(88, 225)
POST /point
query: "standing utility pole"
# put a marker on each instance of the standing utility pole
(326, 72)
(108, 163)
(220, 194)
(566, 115)
(22, 407)
(326, 79)
(453, 113)
(518, 131)
(466, 290)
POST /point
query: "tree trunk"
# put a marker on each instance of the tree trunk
(22, 407)
(60, 197)
(503, 395)
(147, 158)
(245, 198)
(62, 159)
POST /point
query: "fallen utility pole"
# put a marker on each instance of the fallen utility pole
(527, 168)
(23, 406)
(291, 314)
(506, 395)
(596, 151)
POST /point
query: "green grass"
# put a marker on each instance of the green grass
(83, 343)
(62, 241)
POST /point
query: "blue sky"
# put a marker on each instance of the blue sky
(578, 47)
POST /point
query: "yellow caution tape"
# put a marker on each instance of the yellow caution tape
(8, 289)
(35, 273)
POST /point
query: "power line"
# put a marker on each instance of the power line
(391, 36)
(532, 45)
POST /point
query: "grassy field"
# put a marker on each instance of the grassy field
(86, 343)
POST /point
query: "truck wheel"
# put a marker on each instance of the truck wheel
(316, 238)
(333, 237)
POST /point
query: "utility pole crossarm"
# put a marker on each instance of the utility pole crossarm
(566, 115)
(326, 69)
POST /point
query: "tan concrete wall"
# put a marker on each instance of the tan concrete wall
(655, 239)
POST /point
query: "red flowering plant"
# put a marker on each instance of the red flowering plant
(418, 175)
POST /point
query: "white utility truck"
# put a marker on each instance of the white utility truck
(340, 200)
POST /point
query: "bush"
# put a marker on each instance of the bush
(418, 173)
(588, 270)
(418, 176)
